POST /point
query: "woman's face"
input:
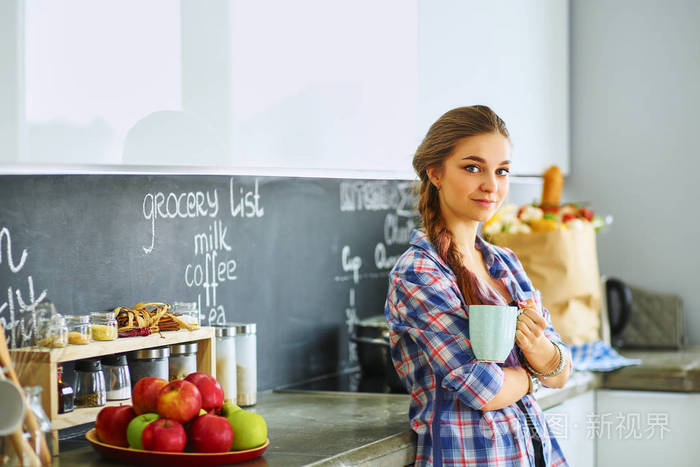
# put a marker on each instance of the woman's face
(473, 180)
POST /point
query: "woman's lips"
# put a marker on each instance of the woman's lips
(484, 203)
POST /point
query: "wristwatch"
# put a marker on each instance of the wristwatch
(535, 384)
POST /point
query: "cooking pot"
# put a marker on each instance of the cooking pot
(372, 338)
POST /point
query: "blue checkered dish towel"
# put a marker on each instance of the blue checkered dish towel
(598, 356)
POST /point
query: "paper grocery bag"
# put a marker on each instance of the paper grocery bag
(563, 265)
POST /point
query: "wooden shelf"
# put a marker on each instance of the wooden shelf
(44, 367)
(81, 415)
(101, 348)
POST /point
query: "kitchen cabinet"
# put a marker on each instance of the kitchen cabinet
(569, 423)
(349, 86)
(646, 428)
(512, 56)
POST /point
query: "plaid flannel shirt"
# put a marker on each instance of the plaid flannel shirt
(429, 332)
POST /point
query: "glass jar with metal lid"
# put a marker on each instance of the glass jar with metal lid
(104, 326)
(226, 359)
(78, 329)
(183, 360)
(148, 362)
(246, 364)
(53, 332)
(117, 377)
(90, 390)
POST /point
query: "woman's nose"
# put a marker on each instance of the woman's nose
(489, 183)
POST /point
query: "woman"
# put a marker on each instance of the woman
(467, 412)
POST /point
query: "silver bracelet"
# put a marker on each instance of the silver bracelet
(557, 370)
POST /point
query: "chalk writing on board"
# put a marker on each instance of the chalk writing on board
(368, 196)
(248, 204)
(351, 264)
(177, 205)
(13, 317)
(350, 321)
(213, 266)
(375, 195)
(395, 232)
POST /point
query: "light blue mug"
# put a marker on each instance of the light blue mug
(492, 331)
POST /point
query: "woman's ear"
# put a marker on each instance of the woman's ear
(434, 176)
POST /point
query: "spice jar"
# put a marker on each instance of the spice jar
(89, 383)
(148, 362)
(53, 332)
(78, 329)
(183, 360)
(187, 312)
(65, 393)
(104, 326)
(116, 377)
(246, 364)
(226, 360)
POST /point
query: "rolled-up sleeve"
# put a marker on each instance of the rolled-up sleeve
(428, 325)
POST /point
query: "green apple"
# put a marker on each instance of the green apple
(136, 427)
(249, 429)
(228, 408)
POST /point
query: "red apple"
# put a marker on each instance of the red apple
(210, 389)
(164, 435)
(179, 400)
(144, 394)
(111, 424)
(210, 433)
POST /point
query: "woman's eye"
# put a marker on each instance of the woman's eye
(503, 171)
(472, 168)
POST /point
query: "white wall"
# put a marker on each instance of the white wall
(635, 88)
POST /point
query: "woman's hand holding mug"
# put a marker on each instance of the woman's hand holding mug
(529, 330)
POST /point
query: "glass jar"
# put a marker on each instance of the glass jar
(117, 378)
(65, 393)
(246, 364)
(104, 326)
(43, 421)
(53, 332)
(90, 388)
(78, 329)
(186, 311)
(40, 319)
(148, 362)
(183, 360)
(226, 360)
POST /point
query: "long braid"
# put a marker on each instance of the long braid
(442, 238)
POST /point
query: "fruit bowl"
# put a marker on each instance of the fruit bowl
(172, 459)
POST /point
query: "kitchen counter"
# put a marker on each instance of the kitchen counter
(334, 429)
(661, 370)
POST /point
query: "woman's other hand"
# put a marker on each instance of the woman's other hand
(529, 330)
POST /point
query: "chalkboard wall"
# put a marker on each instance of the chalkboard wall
(299, 257)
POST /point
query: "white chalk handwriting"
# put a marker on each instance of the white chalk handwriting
(248, 205)
(376, 195)
(14, 321)
(351, 264)
(177, 205)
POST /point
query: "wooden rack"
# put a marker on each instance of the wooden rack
(45, 363)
